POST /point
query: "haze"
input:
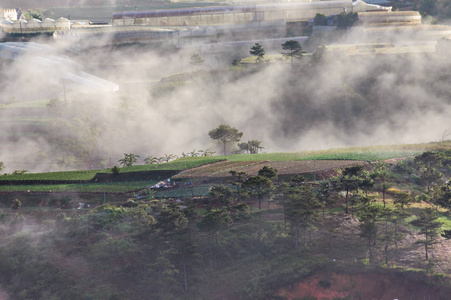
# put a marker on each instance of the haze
(339, 102)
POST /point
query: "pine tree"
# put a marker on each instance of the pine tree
(429, 227)
(258, 51)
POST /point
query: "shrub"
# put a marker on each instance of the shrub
(16, 204)
(307, 298)
(115, 170)
(324, 283)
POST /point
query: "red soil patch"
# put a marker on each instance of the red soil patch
(364, 286)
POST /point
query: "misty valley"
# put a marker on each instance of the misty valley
(222, 150)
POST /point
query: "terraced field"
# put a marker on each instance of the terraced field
(222, 169)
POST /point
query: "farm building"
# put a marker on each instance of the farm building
(392, 18)
(10, 14)
(210, 16)
(34, 25)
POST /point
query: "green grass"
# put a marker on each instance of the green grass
(68, 175)
(117, 187)
(271, 58)
(373, 153)
(320, 155)
(27, 120)
(446, 220)
(176, 165)
(27, 104)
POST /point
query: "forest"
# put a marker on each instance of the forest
(255, 237)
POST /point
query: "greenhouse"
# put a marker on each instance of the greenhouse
(61, 69)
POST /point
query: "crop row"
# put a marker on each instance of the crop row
(68, 175)
(322, 155)
(192, 162)
(116, 187)
(177, 165)
(180, 164)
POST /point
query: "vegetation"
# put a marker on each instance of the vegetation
(227, 135)
(320, 20)
(111, 187)
(207, 237)
(429, 227)
(16, 204)
(428, 7)
(177, 165)
(258, 51)
(196, 60)
(294, 50)
(182, 248)
(128, 160)
(345, 20)
(251, 147)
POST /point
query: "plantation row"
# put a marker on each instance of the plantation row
(113, 187)
(89, 175)
(360, 154)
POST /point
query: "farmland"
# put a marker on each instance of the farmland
(313, 164)
(125, 221)
(113, 187)
(177, 165)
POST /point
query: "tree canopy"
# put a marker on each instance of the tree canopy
(258, 51)
(294, 50)
(128, 160)
(196, 60)
(429, 228)
(226, 135)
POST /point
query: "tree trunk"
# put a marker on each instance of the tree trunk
(284, 220)
(395, 237)
(185, 277)
(386, 254)
(210, 249)
(426, 245)
(347, 192)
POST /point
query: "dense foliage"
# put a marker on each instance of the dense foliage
(225, 243)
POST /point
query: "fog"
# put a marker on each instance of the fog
(339, 101)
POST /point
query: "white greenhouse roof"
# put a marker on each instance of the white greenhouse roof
(45, 58)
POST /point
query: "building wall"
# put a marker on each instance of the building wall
(8, 14)
(297, 11)
(390, 18)
(35, 26)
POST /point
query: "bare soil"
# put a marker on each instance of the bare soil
(367, 286)
(339, 240)
(321, 168)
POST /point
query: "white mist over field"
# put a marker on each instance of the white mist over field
(339, 102)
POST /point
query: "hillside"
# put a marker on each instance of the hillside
(301, 244)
